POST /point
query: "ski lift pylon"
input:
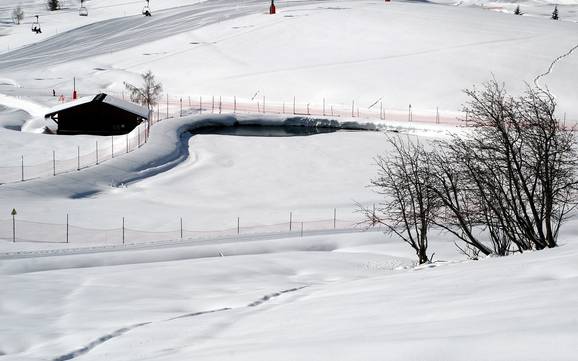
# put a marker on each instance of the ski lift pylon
(36, 26)
(83, 11)
(146, 11)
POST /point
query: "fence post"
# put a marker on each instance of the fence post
(332, 110)
(78, 157)
(122, 230)
(323, 106)
(66, 227)
(293, 105)
(301, 229)
(112, 145)
(220, 104)
(290, 220)
(22, 163)
(238, 226)
(158, 115)
(181, 100)
(381, 111)
(127, 143)
(234, 104)
(409, 114)
(53, 163)
(308, 109)
(283, 107)
(334, 218)
(352, 108)
(213, 105)
(437, 115)
(97, 152)
(13, 225)
(181, 227)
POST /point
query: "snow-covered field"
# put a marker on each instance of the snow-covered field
(333, 294)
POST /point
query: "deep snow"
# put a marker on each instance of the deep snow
(338, 295)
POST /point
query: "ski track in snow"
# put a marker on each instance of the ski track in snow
(112, 35)
(551, 67)
(176, 243)
(269, 297)
(81, 351)
(121, 331)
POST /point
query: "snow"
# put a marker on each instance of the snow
(340, 305)
(269, 292)
(71, 104)
(128, 106)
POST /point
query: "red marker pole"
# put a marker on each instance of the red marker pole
(74, 94)
(272, 9)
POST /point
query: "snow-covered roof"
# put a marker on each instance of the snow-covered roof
(104, 98)
(128, 106)
(71, 104)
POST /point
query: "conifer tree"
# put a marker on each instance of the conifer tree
(555, 13)
(53, 5)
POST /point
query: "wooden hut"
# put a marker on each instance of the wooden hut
(101, 114)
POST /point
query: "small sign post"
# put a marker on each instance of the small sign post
(13, 213)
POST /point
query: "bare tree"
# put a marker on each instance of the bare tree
(505, 186)
(17, 15)
(148, 94)
(53, 5)
(460, 211)
(409, 204)
(514, 176)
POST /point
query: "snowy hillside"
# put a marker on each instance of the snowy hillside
(247, 246)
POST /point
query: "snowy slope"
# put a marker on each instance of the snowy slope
(358, 303)
(404, 53)
(333, 295)
(568, 9)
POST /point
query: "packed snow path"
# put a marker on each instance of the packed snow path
(122, 33)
